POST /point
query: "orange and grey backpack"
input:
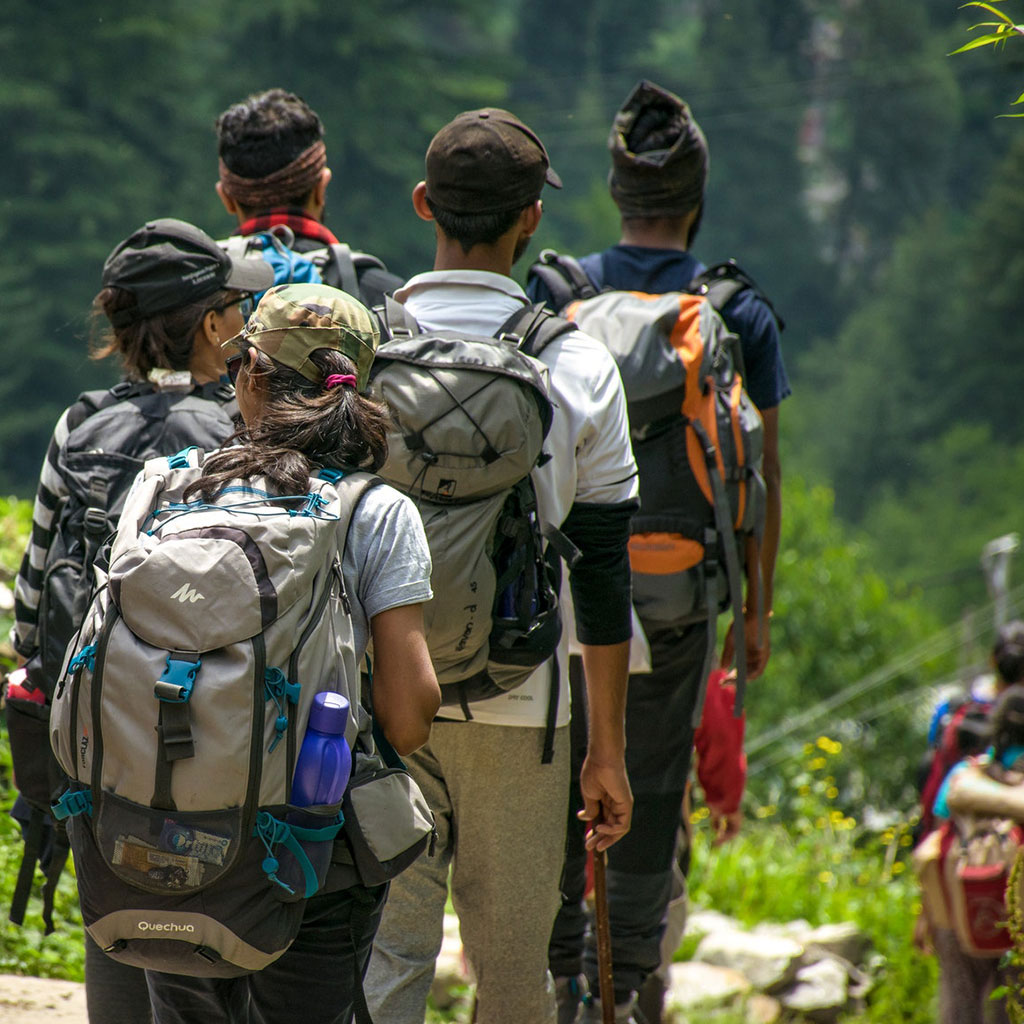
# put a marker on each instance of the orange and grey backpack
(698, 440)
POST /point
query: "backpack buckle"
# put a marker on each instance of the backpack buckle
(71, 804)
(95, 521)
(175, 685)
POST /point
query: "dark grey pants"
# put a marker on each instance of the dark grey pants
(659, 750)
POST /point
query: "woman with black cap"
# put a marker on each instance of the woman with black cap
(170, 298)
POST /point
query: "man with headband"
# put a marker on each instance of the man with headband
(273, 177)
(659, 171)
(498, 796)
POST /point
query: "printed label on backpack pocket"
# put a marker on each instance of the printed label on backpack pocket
(163, 851)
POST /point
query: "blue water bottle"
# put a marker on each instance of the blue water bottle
(325, 760)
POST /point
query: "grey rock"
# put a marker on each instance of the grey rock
(768, 961)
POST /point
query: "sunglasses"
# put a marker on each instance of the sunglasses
(245, 306)
(233, 364)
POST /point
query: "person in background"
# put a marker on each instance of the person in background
(273, 177)
(169, 300)
(659, 170)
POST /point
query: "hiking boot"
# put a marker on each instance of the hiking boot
(650, 1000)
(625, 1013)
(570, 993)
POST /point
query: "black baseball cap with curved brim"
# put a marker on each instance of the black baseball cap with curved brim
(487, 161)
(170, 263)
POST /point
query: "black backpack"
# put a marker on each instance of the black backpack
(111, 434)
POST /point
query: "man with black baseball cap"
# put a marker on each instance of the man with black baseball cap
(658, 177)
(500, 810)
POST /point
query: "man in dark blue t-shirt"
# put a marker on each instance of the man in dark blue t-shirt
(658, 176)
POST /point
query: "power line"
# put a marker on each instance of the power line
(957, 634)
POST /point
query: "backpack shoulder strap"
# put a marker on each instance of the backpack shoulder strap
(564, 277)
(341, 266)
(396, 320)
(722, 282)
(90, 402)
(535, 327)
(351, 488)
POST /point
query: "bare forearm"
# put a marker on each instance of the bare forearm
(606, 669)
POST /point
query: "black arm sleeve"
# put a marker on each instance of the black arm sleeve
(600, 580)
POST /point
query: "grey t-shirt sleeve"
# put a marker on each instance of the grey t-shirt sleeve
(386, 562)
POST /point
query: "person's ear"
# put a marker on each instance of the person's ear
(419, 202)
(320, 189)
(529, 219)
(229, 202)
(211, 327)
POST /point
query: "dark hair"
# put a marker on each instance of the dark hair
(469, 229)
(266, 132)
(1008, 652)
(161, 341)
(1008, 720)
(301, 425)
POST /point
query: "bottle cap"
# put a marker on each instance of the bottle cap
(329, 713)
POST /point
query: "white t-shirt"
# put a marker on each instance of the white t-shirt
(592, 459)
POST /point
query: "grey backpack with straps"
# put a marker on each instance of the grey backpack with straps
(111, 435)
(470, 416)
(698, 442)
(181, 713)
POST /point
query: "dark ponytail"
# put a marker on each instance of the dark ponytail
(302, 426)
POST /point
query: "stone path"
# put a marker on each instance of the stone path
(41, 1001)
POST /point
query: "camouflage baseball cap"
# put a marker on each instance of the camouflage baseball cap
(294, 320)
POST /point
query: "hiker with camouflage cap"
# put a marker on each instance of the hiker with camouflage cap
(300, 368)
(496, 771)
(658, 177)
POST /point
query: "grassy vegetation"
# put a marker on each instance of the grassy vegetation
(809, 858)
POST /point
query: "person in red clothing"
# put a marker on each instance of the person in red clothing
(722, 775)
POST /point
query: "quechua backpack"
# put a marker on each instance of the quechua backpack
(111, 435)
(469, 419)
(337, 264)
(698, 443)
(181, 713)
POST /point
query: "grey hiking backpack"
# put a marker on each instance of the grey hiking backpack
(358, 273)
(111, 435)
(470, 415)
(181, 713)
(698, 442)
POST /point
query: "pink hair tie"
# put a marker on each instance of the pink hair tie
(334, 379)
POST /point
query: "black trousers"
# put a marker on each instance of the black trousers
(659, 751)
(316, 981)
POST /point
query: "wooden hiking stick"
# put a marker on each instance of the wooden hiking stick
(606, 988)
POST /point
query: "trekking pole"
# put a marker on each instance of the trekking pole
(606, 989)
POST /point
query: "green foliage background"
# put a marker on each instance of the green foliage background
(857, 172)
